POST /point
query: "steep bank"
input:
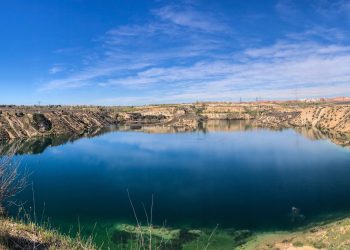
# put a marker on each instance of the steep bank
(330, 121)
(331, 235)
(332, 118)
(27, 122)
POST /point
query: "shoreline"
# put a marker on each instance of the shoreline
(37, 145)
(328, 234)
(328, 119)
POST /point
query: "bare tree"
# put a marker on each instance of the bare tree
(11, 181)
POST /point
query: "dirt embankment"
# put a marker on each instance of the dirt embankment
(331, 121)
(31, 123)
(331, 235)
(28, 122)
(336, 118)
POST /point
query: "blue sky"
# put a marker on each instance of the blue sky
(124, 52)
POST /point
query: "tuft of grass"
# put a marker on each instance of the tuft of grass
(21, 235)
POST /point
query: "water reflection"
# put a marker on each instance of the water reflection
(39, 145)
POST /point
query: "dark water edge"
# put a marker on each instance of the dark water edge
(230, 174)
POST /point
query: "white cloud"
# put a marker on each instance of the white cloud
(333, 8)
(217, 94)
(278, 65)
(280, 69)
(129, 48)
(87, 76)
(187, 55)
(287, 10)
(118, 35)
(56, 69)
(187, 17)
(319, 32)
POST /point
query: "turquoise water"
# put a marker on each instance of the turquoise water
(243, 178)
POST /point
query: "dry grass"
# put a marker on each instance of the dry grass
(334, 236)
(27, 234)
(20, 235)
(11, 182)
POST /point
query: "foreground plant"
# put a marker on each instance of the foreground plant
(21, 235)
(11, 182)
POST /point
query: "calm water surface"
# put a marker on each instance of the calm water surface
(242, 179)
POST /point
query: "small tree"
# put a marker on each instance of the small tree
(11, 182)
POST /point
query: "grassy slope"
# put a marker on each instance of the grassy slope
(331, 236)
(17, 235)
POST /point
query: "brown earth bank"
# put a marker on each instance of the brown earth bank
(328, 119)
(326, 236)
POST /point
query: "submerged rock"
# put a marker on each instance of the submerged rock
(165, 238)
(159, 232)
(241, 237)
(188, 235)
(296, 215)
(121, 237)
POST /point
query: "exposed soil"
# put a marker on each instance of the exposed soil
(331, 119)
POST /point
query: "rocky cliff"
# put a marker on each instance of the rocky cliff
(332, 121)
(335, 118)
(28, 122)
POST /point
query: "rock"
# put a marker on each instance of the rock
(120, 237)
(188, 235)
(240, 237)
(172, 238)
(41, 123)
(4, 136)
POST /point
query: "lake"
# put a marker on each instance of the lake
(225, 173)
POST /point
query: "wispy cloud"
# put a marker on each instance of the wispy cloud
(183, 55)
(56, 69)
(333, 8)
(128, 48)
(287, 10)
(188, 17)
(280, 67)
(89, 76)
(226, 95)
(331, 35)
